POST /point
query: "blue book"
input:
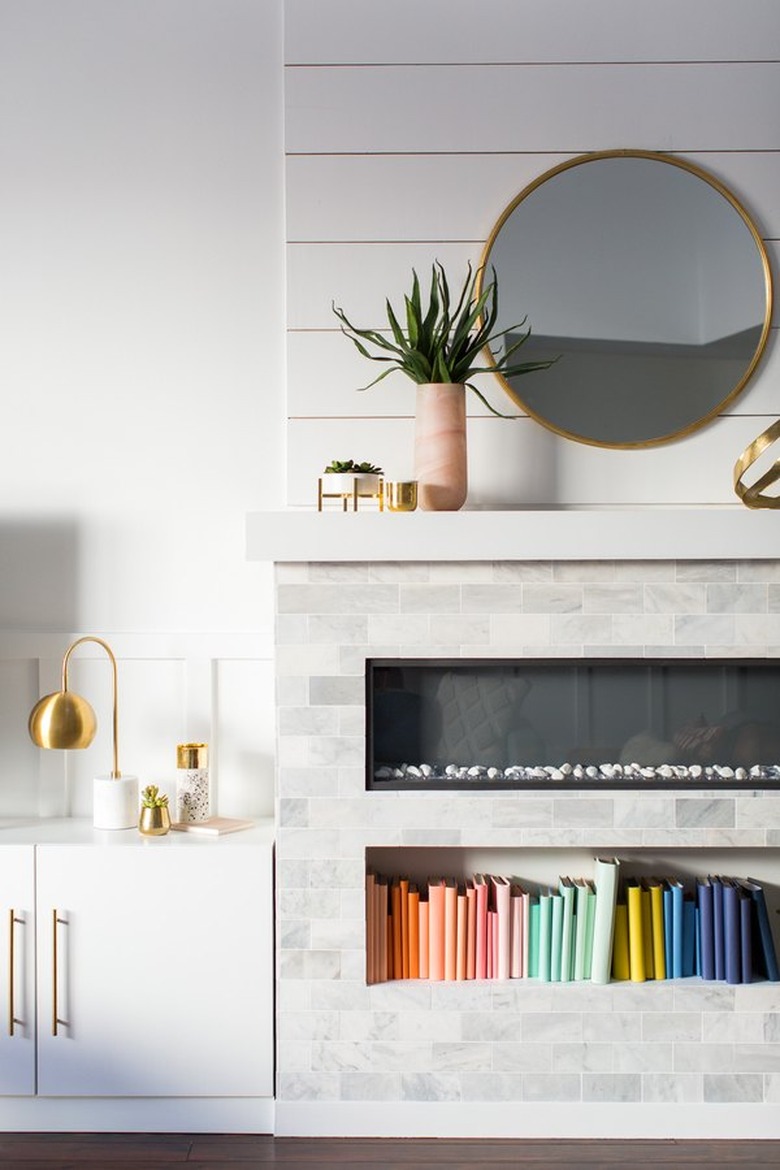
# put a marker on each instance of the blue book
(765, 955)
(667, 897)
(732, 939)
(676, 888)
(706, 939)
(718, 942)
(689, 937)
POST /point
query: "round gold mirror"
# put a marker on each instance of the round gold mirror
(648, 281)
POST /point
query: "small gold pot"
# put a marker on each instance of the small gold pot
(400, 495)
(154, 822)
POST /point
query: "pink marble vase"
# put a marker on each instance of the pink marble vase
(440, 447)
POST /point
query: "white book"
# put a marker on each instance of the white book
(605, 875)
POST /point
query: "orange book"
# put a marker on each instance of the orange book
(414, 931)
(471, 930)
(460, 934)
(395, 918)
(424, 943)
(436, 929)
(381, 893)
(371, 928)
(404, 885)
(450, 928)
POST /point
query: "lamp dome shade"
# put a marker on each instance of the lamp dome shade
(62, 720)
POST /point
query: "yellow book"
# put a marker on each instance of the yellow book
(657, 919)
(647, 931)
(620, 963)
(636, 932)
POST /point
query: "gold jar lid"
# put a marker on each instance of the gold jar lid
(192, 755)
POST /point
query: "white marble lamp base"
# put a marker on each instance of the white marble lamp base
(115, 803)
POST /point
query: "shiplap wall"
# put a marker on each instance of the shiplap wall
(410, 126)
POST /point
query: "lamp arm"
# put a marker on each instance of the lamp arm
(115, 774)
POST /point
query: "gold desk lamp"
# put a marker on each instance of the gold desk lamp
(66, 721)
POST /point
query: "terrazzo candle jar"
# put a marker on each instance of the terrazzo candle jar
(192, 782)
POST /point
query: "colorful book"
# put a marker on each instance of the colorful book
(590, 920)
(605, 875)
(371, 928)
(436, 928)
(404, 887)
(584, 893)
(732, 945)
(556, 935)
(621, 963)
(718, 940)
(656, 889)
(450, 927)
(527, 903)
(689, 936)
(647, 931)
(705, 902)
(568, 894)
(424, 910)
(636, 931)
(460, 933)
(414, 931)
(677, 894)
(395, 927)
(532, 966)
(545, 933)
(381, 894)
(480, 934)
(503, 937)
(745, 932)
(765, 952)
(515, 932)
(471, 929)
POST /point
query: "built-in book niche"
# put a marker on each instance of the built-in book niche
(572, 915)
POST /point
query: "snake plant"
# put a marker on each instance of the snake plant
(441, 343)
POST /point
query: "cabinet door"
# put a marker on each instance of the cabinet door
(17, 964)
(158, 957)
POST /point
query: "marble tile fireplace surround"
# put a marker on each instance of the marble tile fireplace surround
(512, 1058)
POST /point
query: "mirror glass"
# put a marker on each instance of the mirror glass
(648, 282)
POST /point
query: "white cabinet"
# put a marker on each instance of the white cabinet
(143, 968)
(17, 963)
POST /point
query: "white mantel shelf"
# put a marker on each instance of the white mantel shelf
(712, 533)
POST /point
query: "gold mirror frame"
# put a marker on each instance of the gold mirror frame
(485, 275)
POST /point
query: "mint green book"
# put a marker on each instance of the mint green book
(556, 936)
(580, 928)
(532, 970)
(590, 918)
(568, 892)
(545, 933)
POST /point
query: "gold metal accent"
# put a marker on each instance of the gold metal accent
(346, 498)
(400, 495)
(65, 720)
(154, 822)
(192, 755)
(693, 169)
(753, 496)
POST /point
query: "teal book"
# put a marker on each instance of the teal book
(583, 943)
(556, 936)
(568, 893)
(545, 933)
(532, 970)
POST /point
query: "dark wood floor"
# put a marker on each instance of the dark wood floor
(234, 1152)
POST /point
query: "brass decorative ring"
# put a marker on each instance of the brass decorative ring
(752, 496)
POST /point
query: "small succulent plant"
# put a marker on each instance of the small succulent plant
(151, 797)
(350, 467)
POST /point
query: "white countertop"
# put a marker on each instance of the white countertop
(711, 533)
(77, 831)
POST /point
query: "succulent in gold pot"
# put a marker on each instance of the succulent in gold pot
(155, 818)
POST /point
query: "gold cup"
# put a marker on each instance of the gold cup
(400, 495)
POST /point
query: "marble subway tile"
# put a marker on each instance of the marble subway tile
(336, 691)
(647, 629)
(429, 598)
(301, 659)
(762, 571)
(398, 571)
(736, 598)
(615, 1026)
(760, 1058)
(585, 629)
(492, 598)
(715, 629)
(430, 1086)
(411, 629)
(335, 630)
(552, 1027)
(706, 571)
(582, 1058)
(311, 965)
(457, 1056)
(613, 599)
(323, 782)
(307, 721)
(622, 1087)
(534, 572)
(701, 1058)
(301, 1086)
(671, 1088)
(464, 629)
(644, 1058)
(583, 571)
(552, 599)
(590, 812)
(294, 811)
(744, 1088)
(676, 599)
(695, 813)
(337, 598)
(370, 1086)
(756, 630)
(339, 571)
(461, 572)
(551, 1087)
(487, 1026)
(513, 633)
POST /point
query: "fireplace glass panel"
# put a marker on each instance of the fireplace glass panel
(575, 722)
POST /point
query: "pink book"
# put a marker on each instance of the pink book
(460, 935)
(436, 929)
(480, 934)
(516, 933)
(492, 944)
(450, 928)
(471, 930)
(424, 944)
(526, 931)
(502, 940)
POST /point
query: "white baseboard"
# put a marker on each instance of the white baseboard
(445, 1119)
(137, 1114)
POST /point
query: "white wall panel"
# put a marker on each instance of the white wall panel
(358, 31)
(446, 197)
(19, 770)
(718, 106)
(245, 731)
(516, 464)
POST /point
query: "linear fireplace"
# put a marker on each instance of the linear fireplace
(572, 723)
